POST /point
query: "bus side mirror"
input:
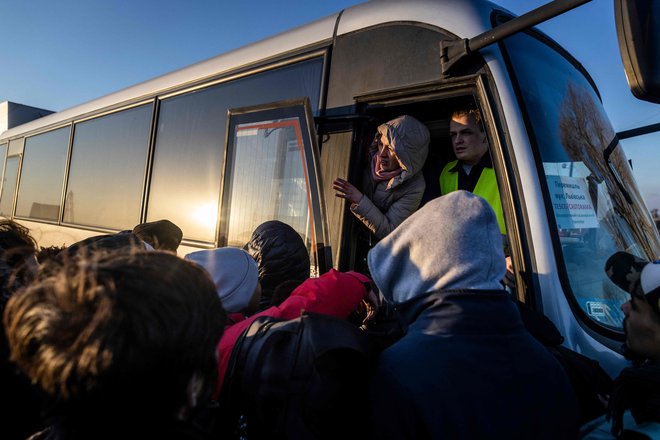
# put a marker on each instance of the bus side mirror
(638, 31)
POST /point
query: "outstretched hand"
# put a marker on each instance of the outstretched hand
(369, 307)
(509, 277)
(345, 190)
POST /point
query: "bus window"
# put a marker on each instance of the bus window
(593, 218)
(269, 176)
(185, 180)
(9, 186)
(42, 175)
(3, 156)
(188, 155)
(106, 174)
(268, 179)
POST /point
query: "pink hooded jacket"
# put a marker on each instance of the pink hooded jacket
(333, 293)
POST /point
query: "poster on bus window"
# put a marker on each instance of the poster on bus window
(572, 203)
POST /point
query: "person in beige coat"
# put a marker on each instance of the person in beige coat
(395, 185)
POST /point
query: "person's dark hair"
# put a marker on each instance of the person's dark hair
(160, 234)
(16, 245)
(48, 253)
(117, 337)
(15, 242)
(20, 403)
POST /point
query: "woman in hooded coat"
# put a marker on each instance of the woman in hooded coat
(396, 184)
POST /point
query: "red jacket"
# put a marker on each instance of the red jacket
(333, 293)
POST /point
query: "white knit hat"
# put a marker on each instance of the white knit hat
(234, 273)
(650, 278)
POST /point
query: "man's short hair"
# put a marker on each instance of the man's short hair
(474, 112)
(119, 335)
(15, 241)
(16, 245)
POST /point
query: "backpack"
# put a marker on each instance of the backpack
(305, 378)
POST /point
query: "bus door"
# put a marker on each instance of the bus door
(433, 106)
(271, 174)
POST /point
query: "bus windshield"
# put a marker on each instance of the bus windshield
(590, 189)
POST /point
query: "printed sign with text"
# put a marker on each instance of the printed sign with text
(571, 203)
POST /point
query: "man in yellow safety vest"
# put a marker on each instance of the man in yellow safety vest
(473, 169)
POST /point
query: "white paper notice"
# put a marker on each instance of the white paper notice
(571, 202)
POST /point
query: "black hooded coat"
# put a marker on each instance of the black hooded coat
(281, 255)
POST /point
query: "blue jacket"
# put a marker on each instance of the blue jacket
(468, 369)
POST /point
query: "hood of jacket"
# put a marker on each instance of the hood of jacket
(234, 273)
(409, 139)
(280, 254)
(451, 243)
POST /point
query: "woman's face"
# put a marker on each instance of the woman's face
(388, 159)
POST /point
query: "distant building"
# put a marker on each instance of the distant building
(656, 218)
(13, 114)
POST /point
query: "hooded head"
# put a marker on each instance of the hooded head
(280, 253)
(453, 242)
(409, 139)
(234, 273)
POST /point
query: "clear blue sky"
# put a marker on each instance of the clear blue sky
(59, 54)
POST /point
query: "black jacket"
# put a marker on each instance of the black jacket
(467, 368)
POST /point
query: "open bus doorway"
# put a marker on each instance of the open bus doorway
(435, 113)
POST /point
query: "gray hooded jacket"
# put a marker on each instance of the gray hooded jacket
(466, 367)
(457, 251)
(386, 204)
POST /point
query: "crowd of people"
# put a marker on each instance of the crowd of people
(117, 336)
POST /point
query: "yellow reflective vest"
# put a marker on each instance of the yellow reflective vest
(486, 187)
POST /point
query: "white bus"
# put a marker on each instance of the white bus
(259, 133)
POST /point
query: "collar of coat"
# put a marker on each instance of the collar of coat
(484, 162)
(461, 311)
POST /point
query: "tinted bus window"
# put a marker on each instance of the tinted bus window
(268, 180)
(189, 152)
(9, 186)
(106, 175)
(593, 218)
(3, 156)
(42, 175)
